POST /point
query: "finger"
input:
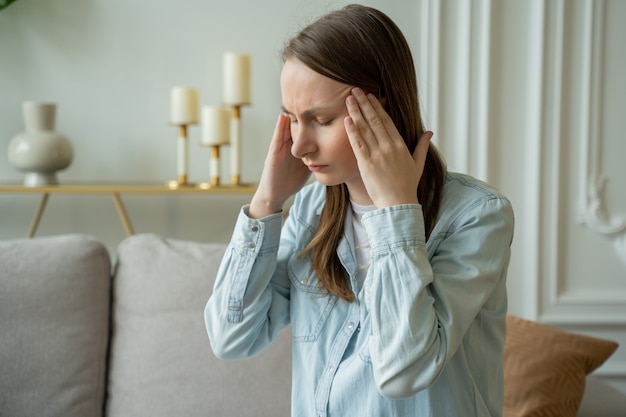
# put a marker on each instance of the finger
(282, 127)
(282, 132)
(386, 120)
(359, 146)
(358, 125)
(375, 115)
(421, 150)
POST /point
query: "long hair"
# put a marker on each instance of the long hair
(361, 46)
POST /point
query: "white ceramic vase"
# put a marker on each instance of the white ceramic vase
(39, 151)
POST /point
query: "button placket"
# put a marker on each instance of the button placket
(254, 228)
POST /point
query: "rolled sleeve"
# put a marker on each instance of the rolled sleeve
(237, 313)
(395, 226)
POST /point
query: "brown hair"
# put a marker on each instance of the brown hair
(361, 46)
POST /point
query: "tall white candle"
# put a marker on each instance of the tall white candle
(183, 105)
(236, 78)
(215, 125)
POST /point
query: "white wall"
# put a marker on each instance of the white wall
(110, 66)
(525, 94)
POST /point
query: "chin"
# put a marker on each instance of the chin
(327, 180)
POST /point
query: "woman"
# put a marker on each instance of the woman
(390, 270)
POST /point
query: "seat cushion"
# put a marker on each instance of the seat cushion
(161, 361)
(54, 322)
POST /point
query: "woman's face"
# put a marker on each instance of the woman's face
(316, 106)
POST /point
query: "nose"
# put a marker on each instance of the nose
(303, 141)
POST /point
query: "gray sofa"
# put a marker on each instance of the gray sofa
(79, 337)
(83, 333)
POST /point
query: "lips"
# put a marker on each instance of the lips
(316, 168)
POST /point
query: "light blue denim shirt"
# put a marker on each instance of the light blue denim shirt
(425, 335)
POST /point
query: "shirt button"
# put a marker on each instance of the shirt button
(304, 281)
(351, 325)
(251, 245)
(255, 228)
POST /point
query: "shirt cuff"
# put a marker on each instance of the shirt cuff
(254, 236)
(395, 226)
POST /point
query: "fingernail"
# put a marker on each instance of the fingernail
(350, 100)
(357, 91)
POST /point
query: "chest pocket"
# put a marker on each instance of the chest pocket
(310, 304)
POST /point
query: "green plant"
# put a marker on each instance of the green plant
(5, 3)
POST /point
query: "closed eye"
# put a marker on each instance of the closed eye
(309, 116)
(294, 121)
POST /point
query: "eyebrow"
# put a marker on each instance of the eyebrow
(306, 113)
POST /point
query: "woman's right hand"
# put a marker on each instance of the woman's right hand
(283, 174)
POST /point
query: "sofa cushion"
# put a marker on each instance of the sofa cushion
(54, 321)
(161, 362)
(545, 368)
(601, 399)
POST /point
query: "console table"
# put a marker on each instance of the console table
(116, 191)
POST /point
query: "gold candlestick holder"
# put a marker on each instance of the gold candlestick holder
(182, 160)
(215, 166)
(235, 144)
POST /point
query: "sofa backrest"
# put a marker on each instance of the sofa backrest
(54, 324)
(161, 363)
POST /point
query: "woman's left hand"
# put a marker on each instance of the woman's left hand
(389, 172)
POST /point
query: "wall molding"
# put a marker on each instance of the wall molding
(560, 99)
(480, 18)
(594, 213)
(533, 245)
(471, 23)
(464, 109)
(551, 300)
(430, 63)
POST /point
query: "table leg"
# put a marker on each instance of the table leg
(35, 223)
(121, 211)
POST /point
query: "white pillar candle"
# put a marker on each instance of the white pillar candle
(184, 105)
(236, 78)
(215, 125)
